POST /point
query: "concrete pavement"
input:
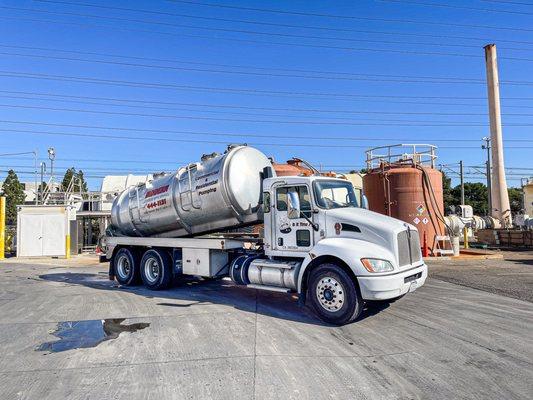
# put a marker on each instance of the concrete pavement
(215, 340)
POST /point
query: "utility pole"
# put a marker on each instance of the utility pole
(41, 187)
(462, 177)
(486, 146)
(35, 177)
(500, 199)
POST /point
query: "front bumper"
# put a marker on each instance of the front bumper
(386, 287)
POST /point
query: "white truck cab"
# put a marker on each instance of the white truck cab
(317, 220)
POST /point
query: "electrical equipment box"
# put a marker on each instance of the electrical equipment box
(466, 211)
(203, 262)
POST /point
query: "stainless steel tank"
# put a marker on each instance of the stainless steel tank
(222, 191)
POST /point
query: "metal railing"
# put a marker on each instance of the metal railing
(64, 195)
(419, 153)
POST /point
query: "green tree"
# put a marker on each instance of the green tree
(515, 199)
(449, 199)
(81, 178)
(14, 192)
(476, 195)
(80, 185)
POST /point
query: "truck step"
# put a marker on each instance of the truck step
(269, 288)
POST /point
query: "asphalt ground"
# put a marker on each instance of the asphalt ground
(213, 340)
(512, 276)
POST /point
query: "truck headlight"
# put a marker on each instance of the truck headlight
(376, 265)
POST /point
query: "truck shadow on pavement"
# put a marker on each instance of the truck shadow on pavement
(190, 292)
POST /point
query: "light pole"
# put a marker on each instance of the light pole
(486, 146)
(52, 157)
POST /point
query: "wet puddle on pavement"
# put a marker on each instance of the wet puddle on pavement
(83, 334)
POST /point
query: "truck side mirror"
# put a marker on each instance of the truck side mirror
(364, 202)
(293, 209)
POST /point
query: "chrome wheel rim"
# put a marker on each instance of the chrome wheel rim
(330, 294)
(123, 267)
(151, 269)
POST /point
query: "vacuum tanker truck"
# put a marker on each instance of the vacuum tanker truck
(316, 240)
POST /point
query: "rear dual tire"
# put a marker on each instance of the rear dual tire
(156, 269)
(126, 267)
(334, 295)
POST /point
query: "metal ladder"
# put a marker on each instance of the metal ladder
(189, 191)
(442, 250)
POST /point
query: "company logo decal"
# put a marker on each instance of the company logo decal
(155, 192)
(285, 227)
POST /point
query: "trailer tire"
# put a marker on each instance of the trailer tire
(334, 295)
(126, 267)
(156, 269)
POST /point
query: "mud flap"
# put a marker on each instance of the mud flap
(111, 270)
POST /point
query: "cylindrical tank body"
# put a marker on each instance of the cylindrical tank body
(455, 224)
(296, 167)
(410, 193)
(478, 223)
(220, 192)
(291, 168)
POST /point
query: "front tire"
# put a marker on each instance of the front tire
(156, 269)
(126, 267)
(334, 295)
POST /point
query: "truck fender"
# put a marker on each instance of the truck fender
(346, 252)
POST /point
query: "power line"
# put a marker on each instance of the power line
(31, 173)
(453, 6)
(362, 122)
(244, 135)
(180, 163)
(17, 154)
(259, 92)
(116, 160)
(414, 52)
(151, 139)
(344, 75)
(275, 34)
(250, 73)
(234, 106)
(270, 24)
(82, 168)
(346, 17)
(299, 44)
(508, 2)
(219, 142)
(357, 49)
(70, 101)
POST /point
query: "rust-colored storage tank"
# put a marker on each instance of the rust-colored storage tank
(408, 190)
(295, 167)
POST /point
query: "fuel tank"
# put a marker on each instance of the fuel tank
(222, 191)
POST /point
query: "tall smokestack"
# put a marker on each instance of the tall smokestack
(500, 197)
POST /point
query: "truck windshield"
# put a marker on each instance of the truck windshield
(334, 194)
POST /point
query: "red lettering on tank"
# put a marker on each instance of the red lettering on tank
(154, 192)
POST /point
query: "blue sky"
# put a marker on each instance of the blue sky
(298, 77)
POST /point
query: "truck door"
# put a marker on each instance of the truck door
(292, 234)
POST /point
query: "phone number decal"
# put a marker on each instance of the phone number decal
(155, 204)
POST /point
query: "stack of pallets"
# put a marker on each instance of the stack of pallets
(505, 237)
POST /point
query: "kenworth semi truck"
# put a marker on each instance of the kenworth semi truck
(316, 240)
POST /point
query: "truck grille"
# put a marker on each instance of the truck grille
(408, 248)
